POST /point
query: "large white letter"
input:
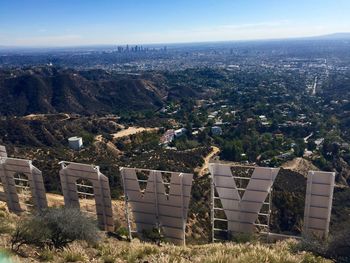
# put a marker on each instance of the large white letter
(70, 173)
(9, 167)
(318, 203)
(153, 207)
(242, 212)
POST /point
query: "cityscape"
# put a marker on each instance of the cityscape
(175, 132)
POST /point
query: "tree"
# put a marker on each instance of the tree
(311, 145)
(232, 151)
(299, 148)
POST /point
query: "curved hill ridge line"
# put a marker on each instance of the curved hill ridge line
(49, 91)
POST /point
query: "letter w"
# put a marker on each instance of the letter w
(153, 207)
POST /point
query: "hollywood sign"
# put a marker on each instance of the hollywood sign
(163, 203)
(242, 206)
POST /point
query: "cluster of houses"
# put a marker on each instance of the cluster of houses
(171, 134)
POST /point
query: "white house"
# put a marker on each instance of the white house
(180, 132)
(75, 143)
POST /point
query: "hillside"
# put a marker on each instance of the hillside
(300, 165)
(52, 90)
(117, 251)
(110, 249)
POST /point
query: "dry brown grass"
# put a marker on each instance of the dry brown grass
(110, 250)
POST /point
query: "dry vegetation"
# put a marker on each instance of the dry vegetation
(109, 250)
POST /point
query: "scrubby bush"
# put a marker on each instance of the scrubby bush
(339, 243)
(312, 244)
(55, 227)
(30, 231)
(67, 225)
(123, 232)
(152, 235)
(337, 246)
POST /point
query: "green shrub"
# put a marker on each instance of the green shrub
(242, 237)
(123, 232)
(152, 235)
(55, 227)
(69, 224)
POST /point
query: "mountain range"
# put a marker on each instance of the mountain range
(52, 90)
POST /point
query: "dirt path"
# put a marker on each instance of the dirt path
(131, 131)
(43, 117)
(127, 132)
(204, 169)
(300, 165)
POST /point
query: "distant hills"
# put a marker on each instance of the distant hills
(335, 36)
(15, 49)
(51, 90)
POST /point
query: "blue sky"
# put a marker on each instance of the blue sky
(86, 22)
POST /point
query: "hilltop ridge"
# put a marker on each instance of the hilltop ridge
(52, 90)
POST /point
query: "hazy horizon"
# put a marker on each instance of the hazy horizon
(64, 23)
(105, 45)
